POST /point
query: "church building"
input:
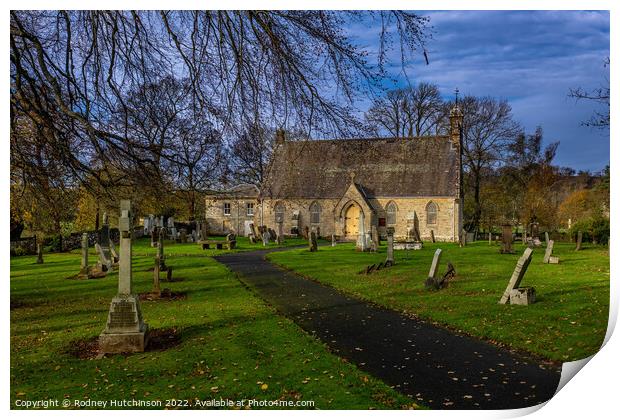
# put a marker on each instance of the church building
(346, 186)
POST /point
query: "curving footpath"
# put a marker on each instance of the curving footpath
(437, 367)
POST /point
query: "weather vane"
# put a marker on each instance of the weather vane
(456, 92)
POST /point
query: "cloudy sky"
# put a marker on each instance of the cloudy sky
(531, 58)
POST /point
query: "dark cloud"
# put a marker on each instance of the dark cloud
(531, 58)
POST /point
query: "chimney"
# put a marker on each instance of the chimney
(456, 126)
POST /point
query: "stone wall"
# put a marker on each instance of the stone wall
(222, 224)
(446, 228)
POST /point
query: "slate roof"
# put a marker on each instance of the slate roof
(421, 166)
(238, 191)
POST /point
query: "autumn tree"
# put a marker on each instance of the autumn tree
(488, 127)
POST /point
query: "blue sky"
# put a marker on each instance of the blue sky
(530, 58)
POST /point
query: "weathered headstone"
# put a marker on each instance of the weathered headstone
(506, 240)
(125, 331)
(266, 237)
(156, 280)
(579, 239)
(517, 275)
(548, 252)
(490, 238)
(306, 232)
(104, 264)
(318, 232)
(231, 241)
(333, 240)
(280, 237)
(84, 264)
(113, 252)
(183, 236)
(432, 236)
(554, 260)
(374, 239)
(104, 237)
(154, 236)
(84, 267)
(524, 235)
(39, 253)
(161, 256)
(312, 244)
(389, 259)
(432, 273)
(172, 228)
(546, 237)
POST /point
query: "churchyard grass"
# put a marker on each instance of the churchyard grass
(567, 322)
(232, 345)
(143, 247)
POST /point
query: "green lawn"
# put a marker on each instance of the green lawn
(232, 345)
(142, 247)
(568, 321)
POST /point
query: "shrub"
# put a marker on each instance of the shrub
(596, 228)
(19, 251)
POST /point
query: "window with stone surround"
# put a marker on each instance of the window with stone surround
(431, 213)
(315, 213)
(279, 212)
(391, 214)
(226, 209)
(249, 209)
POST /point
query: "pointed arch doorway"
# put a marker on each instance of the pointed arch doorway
(353, 216)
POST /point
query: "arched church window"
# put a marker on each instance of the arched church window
(431, 213)
(391, 214)
(279, 212)
(315, 213)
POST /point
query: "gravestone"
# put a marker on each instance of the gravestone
(579, 239)
(154, 236)
(312, 242)
(389, 259)
(161, 256)
(431, 280)
(113, 252)
(104, 264)
(524, 236)
(280, 237)
(39, 253)
(156, 280)
(194, 235)
(104, 237)
(517, 276)
(306, 232)
(318, 232)
(432, 236)
(171, 228)
(266, 237)
(546, 237)
(506, 240)
(554, 260)
(183, 236)
(146, 226)
(374, 238)
(84, 267)
(125, 331)
(362, 244)
(231, 241)
(490, 238)
(548, 252)
(333, 240)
